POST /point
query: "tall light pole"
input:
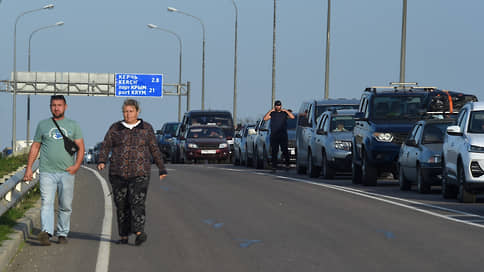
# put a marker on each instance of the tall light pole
(326, 72)
(28, 97)
(404, 42)
(203, 50)
(234, 110)
(274, 57)
(152, 26)
(14, 99)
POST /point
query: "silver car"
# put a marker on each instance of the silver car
(463, 157)
(330, 149)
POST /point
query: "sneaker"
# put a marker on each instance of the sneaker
(141, 238)
(62, 240)
(44, 238)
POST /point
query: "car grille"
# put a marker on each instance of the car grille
(208, 146)
(399, 138)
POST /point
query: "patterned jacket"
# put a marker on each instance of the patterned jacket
(132, 150)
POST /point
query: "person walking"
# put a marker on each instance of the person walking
(57, 169)
(132, 144)
(278, 127)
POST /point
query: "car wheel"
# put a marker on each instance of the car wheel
(299, 168)
(403, 182)
(422, 186)
(368, 172)
(448, 191)
(355, 173)
(463, 195)
(265, 160)
(247, 162)
(313, 171)
(328, 172)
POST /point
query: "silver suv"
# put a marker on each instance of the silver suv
(463, 155)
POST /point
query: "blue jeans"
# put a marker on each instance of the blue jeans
(63, 183)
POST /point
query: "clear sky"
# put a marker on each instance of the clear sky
(445, 41)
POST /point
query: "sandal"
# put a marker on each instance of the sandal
(140, 238)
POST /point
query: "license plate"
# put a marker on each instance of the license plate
(292, 151)
(209, 151)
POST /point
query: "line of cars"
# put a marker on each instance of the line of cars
(404, 130)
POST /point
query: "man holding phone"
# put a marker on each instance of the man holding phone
(278, 117)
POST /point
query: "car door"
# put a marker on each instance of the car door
(453, 145)
(318, 141)
(302, 135)
(413, 153)
(361, 126)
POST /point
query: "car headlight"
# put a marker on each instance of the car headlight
(383, 137)
(434, 159)
(475, 148)
(190, 145)
(223, 145)
(342, 145)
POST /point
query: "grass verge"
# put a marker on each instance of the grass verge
(10, 164)
(9, 219)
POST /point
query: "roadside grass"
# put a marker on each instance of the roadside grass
(10, 164)
(9, 219)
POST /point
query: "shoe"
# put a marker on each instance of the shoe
(44, 238)
(62, 240)
(122, 241)
(141, 238)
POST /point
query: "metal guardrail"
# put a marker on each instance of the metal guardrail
(12, 190)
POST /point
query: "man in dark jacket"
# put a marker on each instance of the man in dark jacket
(278, 117)
(132, 143)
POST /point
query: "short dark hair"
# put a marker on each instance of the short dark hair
(277, 103)
(57, 97)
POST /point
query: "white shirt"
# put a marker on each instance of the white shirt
(130, 126)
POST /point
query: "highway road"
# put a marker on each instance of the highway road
(223, 218)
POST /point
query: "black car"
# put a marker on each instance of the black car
(419, 160)
(386, 116)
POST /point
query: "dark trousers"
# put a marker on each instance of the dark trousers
(129, 197)
(276, 142)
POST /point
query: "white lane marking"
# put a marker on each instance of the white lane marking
(384, 198)
(102, 263)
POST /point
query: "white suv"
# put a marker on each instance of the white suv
(463, 155)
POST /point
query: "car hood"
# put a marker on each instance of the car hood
(343, 136)
(393, 127)
(476, 139)
(206, 141)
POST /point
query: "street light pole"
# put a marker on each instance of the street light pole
(404, 42)
(234, 110)
(28, 97)
(14, 99)
(326, 72)
(274, 57)
(152, 26)
(203, 49)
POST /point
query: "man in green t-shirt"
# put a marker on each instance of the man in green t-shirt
(57, 169)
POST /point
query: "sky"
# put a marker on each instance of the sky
(444, 49)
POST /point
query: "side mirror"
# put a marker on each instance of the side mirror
(360, 116)
(321, 132)
(454, 131)
(411, 142)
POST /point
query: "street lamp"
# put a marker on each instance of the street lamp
(234, 110)
(14, 99)
(203, 50)
(326, 72)
(403, 42)
(274, 57)
(152, 26)
(28, 97)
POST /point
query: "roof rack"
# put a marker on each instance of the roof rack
(401, 86)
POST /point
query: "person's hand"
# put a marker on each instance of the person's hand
(162, 177)
(101, 166)
(29, 175)
(72, 169)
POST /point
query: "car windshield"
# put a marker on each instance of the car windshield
(434, 133)
(171, 129)
(476, 122)
(212, 132)
(397, 107)
(342, 123)
(214, 120)
(322, 108)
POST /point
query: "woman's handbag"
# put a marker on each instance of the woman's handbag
(70, 146)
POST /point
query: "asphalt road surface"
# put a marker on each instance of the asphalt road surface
(224, 218)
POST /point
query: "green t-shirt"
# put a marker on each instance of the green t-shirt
(53, 157)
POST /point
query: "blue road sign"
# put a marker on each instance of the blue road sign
(139, 85)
